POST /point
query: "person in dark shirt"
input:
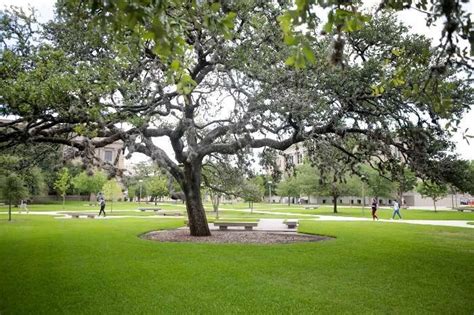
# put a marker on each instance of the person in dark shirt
(374, 209)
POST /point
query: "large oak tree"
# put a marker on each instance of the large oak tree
(228, 91)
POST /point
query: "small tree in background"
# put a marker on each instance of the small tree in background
(404, 181)
(13, 189)
(252, 191)
(89, 183)
(112, 191)
(432, 190)
(308, 179)
(157, 187)
(289, 187)
(378, 185)
(132, 191)
(62, 183)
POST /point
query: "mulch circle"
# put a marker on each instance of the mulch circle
(234, 237)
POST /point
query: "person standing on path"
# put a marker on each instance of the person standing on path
(374, 209)
(396, 210)
(102, 204)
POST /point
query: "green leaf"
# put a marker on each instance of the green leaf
(308, 53)
(328, 27)
(290, 61)
(396, 52)
(175, 65)
(216, 6)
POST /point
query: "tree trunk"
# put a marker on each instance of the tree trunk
(288, 201)
(64, 201)
(335, 203)
(434, 203)
(191, 186)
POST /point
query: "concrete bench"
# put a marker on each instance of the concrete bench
(465, 209)
(151, 209)
(170, 213)
(291, 224)
(310, 207)
(76, 215)
(224, 225)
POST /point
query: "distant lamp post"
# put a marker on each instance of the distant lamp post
(270, 191)
(140, 195)
(363, 193)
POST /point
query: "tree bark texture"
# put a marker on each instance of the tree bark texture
(191, 185)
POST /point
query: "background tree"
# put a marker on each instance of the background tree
(378, 184)
(404, 180)
(252, 191)
(103, 90)
(89, 183)
(62, 183)
(334, 167)
(289, 187)
(157, 187)
(112, 191)
(432, 190)
(13, 190)
(308, 180)
(222, 178)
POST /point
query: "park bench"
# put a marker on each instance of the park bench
(151, 209)
(76, 215)
(291, 224)
(168, 213)
(470, 209)
(224, 225)
(310, 207)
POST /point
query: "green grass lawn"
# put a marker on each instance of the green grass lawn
(55, 266)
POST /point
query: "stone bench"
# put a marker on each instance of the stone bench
(168, 213)
(152, 209)
(224, 225)
(76, 215)
(310, 207)
(291, 224)
(465, 209)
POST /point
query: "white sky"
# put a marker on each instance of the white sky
(411, 18)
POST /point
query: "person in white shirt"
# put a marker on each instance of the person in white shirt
(23, 206)
(396, 210)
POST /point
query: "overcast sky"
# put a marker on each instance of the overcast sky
(411, 18)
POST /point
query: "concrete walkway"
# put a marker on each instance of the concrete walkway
(273, 224)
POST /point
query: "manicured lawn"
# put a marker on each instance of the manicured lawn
(55, 266)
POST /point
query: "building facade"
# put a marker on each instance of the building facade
(294, 156)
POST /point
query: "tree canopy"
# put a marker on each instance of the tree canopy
(216, 79)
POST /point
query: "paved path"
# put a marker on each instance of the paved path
(274, 224)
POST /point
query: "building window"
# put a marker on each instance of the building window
(108, 156)
(324, 200)
(359, 201)
(352, 201)
(299, 158)
(340, 200)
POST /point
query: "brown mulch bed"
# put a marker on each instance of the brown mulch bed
(235, 237)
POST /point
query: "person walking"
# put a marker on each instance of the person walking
(396, 210)
(102, 204)
(374, 209)
(24, 206)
